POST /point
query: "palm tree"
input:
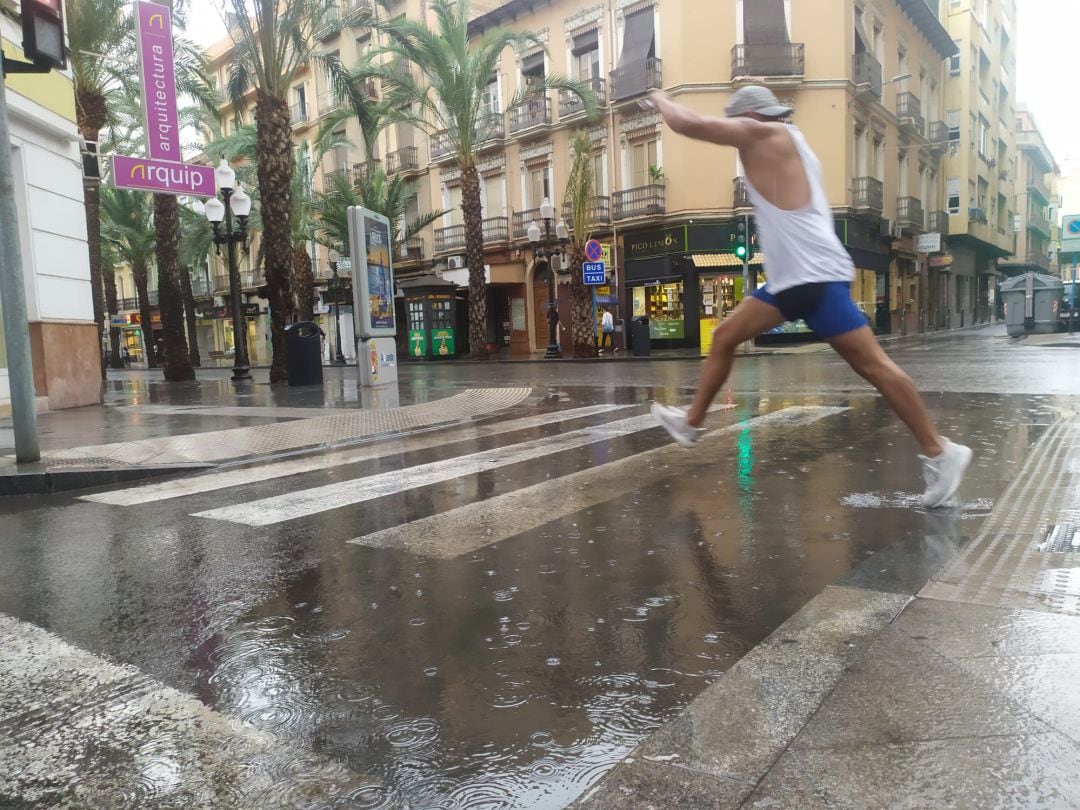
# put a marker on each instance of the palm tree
(579, 193)
(448, 102)
(274, 40)
(374, 191)
(128, 227)
(99, 42)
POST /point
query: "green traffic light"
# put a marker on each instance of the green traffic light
(740, 251)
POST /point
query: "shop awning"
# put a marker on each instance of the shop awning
(704, 261)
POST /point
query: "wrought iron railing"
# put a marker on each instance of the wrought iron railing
(636, 79)
(496, 230)
(572, 104)
(768, 59)
(869, 194)
(866, 70)
(533, 113)
(405, 159)
(450, 240)
(639, 202)
(909, 213)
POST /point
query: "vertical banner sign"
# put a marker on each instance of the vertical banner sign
(373, 296)
(158, 73)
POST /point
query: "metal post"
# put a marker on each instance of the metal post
(553, 340)
(746, 271)
(1075, 303)
(13, 306)
(339, 358)
(241, 364)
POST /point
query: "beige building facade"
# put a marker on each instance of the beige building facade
(1038, 207)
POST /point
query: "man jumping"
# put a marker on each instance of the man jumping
(809, 276)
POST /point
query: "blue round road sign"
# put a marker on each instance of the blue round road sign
(1074, 226)
(593, 250)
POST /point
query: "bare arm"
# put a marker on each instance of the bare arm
(737, 132)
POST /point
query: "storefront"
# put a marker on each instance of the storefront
(217, 322)
(871, 255)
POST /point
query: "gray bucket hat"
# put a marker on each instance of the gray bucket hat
(756, 99)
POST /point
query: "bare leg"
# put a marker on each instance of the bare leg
(750, 319)
(865, 356)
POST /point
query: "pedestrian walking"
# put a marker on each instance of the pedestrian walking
(809, 276)
(607, 331)
(554, 324)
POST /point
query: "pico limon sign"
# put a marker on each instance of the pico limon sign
(162, 171)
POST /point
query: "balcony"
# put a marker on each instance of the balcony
(152, 298)
(866, 72)
(221, 283)
(411, 251)
(1037, 184)
(637, 79)
(250, 279)
(330, 178)
(938, 222)
(1037, 259)
(496, 231)
(405, 159)
(909, 111)
(767, 60)
(523, 219)
(491, 128)
(366, 168)
(450, 240)
(909, 213)
(200, 288)
(441, 145)
(869, 195)
(742, 196)
(1039, 222)
(571, 104)
(599, 214)
(328, 102)
(639, 202)
(298, 114)
(128, 304)
(534, 113)
(938, 135)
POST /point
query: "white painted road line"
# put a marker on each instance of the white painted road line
(293, 505)
(77, 730)
(133, 496)
(467, 528)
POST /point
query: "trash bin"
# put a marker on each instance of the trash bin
(640, 340)
(303, 353)
(1032, 303)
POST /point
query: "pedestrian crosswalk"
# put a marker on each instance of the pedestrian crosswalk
(620, 452)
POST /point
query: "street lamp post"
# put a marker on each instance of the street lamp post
(335, 292)
(547, 245)
(233, 201)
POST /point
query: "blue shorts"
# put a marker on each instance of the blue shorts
(826, 307)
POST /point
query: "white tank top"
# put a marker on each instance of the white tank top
(800, 246)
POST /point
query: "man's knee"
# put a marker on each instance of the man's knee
(726, 337)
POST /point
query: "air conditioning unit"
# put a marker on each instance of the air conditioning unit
(455, 263)
(885, 227)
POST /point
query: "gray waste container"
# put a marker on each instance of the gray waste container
(1032, 303)
(303, 353)
(640, 339)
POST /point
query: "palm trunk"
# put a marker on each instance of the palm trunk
(112, 304)
(582, 313)
(92, 199)
(189, 316)
(178, 366)
(140, 275)
(304, 284)
(275, 154)
(474, 252)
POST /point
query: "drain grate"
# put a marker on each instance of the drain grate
(1061, 538)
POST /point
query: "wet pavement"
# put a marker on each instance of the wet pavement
(493, 614)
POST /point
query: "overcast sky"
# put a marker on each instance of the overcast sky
(1049, 34)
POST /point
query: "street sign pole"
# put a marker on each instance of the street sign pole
(1072, 309)
(746, 271)
(13, 306)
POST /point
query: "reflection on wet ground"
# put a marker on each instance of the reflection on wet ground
(515, 674)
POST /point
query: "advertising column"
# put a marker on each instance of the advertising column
(373, 297)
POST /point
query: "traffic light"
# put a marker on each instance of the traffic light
(742, 244)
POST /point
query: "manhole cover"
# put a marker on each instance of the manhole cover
(1061, 538)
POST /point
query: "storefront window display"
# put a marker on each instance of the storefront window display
(864, 292)
(663, 305)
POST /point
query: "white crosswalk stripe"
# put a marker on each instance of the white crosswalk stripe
(475, 525)
(293, 505)
(228, 479)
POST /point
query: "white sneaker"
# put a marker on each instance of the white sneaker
(673, 420)
(944, 473)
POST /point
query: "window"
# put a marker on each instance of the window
(491, 96)
(586, 53)
(300, 103)
(452, 204)
(954, 65)
(984, 131)
(532, 68)
(952, 120)
(643, 155)
(599, 166)
(539, 185)
(902, 174)
(953, 194)
(494, 189)
(879, 158)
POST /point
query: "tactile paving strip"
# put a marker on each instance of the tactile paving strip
(261, 440)
(1023, 557)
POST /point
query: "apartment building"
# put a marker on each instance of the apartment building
(866, 79)
(984, 183)
(48, 189)
(1036, 225)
